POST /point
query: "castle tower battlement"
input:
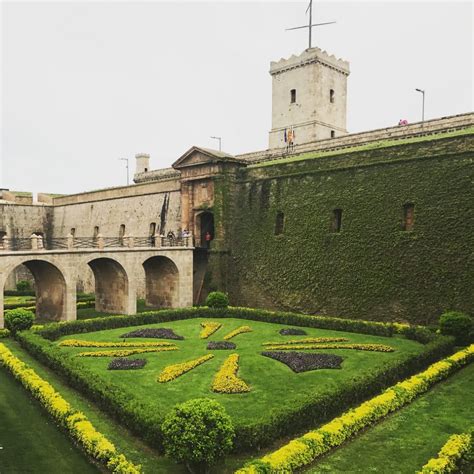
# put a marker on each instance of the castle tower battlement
(309, 97)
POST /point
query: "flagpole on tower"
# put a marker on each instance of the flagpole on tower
(310, 24)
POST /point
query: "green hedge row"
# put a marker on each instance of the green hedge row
(142, 419)
(55, 331)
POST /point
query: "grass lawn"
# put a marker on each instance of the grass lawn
(406, 440)
(272, 383)
(29, 440)
(133, 448)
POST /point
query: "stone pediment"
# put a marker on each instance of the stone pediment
(197, 156)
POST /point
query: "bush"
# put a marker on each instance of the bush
(457, 324)
(197, 433)
(19, 320)
(23, 285)
(217, 299)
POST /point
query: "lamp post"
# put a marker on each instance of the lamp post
(423, 105)
(220, 142)
(126, 160)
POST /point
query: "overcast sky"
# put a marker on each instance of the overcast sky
(86, 83)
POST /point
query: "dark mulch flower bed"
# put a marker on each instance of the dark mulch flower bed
(303, 361)
(292, 332)
(122, 363)
(226, 345)
(157, 333)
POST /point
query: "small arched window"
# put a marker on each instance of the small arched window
(96, 231)
(279, 223)
(293, 96)
(121, 233)
(408, 221)
(152, 229)
(336, 223)
(73, 231)
(333, 134)
(331, 96)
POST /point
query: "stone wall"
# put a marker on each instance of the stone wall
(371, 269)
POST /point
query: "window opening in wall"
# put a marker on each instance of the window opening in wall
(152, 229)
(331, 96)
(121, 234)
(73, 231)
(336, 224)
(279, 223)
(96, 233)
(408, 216)
(2, 234)
(333, 134)
(146, 169)
(293, 96)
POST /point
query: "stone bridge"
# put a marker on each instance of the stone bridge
(165, 272)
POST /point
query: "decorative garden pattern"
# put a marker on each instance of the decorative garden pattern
(226, 379)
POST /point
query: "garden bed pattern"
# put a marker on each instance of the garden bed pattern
(304, 362)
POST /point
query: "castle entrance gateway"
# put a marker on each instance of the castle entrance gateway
(167, 271)
(204, 224)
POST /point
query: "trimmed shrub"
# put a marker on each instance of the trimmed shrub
(19, 320)
(197, 433)
(457, 324)
(4, 333)
(217, 299)
(23, 285)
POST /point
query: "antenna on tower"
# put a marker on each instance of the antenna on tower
(310, 24)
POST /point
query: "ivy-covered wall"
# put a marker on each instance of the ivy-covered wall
(371, 269)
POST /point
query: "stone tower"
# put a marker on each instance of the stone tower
(309, 95)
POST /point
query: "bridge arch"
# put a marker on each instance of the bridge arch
(51, 289)
(161, 282)
(112, 293)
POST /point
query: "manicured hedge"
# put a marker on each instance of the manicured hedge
(94, 443)
(57, 330)
(307, 448)
(143, 419)
(454, 451)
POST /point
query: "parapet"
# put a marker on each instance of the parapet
(309, 56)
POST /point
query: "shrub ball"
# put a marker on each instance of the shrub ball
(197, 433)
(217, 299)
(457, 324)
(18, 319)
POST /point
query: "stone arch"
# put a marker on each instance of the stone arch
(50, 288)
(161, 282)
(111, 285)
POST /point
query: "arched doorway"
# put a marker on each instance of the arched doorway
(111, 286)
(205, 224)
(162, 282)
(50, 290)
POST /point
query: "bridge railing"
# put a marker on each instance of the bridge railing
(38, 243)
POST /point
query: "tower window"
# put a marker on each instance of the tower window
(279, 223)
(331, 96)
(73, 231)
(293, 96)
(96, 231)
(408, 216)
(336, 224)
(145, 170)
(333, 134)
(152, 229)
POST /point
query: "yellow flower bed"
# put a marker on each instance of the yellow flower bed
(209, 328)
(174, 371)
(79, 427)
(357, 347)
(79, 343)
(453, 450)
(226, 380)
(307, 448)
(237, 331)
(125, 352)
(307, 340)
